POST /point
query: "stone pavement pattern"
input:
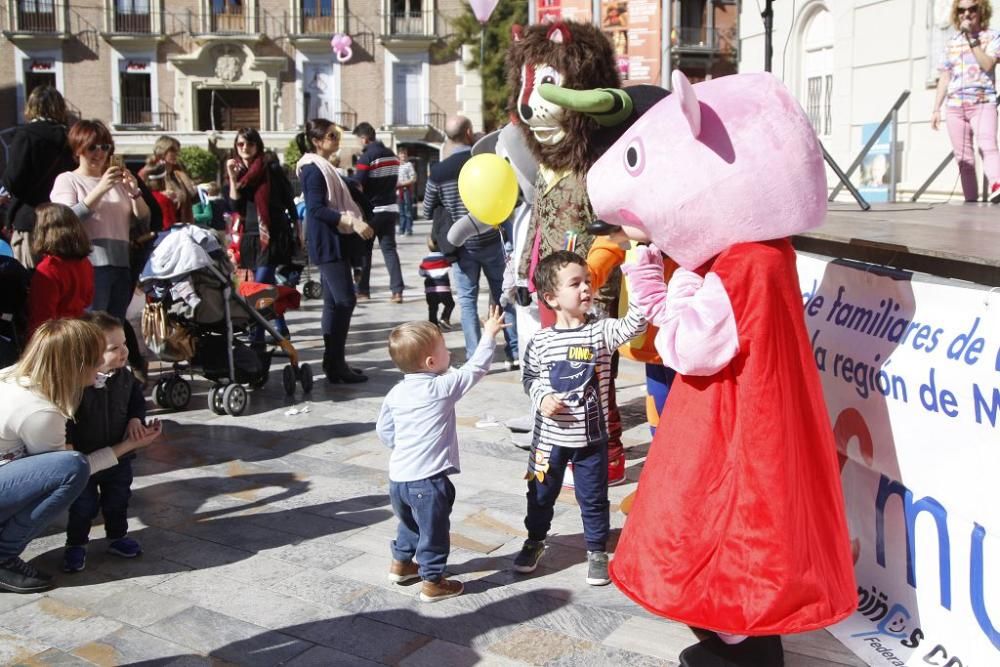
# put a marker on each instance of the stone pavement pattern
(266, 540)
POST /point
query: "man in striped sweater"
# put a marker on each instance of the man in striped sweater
(567, 374)
(480, 254)
(376, 172)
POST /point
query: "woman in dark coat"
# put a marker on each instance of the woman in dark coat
(262, 196)
(39, 152)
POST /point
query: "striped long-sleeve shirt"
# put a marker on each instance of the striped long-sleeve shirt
(377, 171)
(575, 365)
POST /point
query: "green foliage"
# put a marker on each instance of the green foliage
(200, 164)
(292, 154)
(496, 42)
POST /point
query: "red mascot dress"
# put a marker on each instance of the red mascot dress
(731, 496)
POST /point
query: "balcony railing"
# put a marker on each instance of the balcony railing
(231, 20)
(311, 22)
(38, 16)
(408, 25)
(132, 23)
(704, 39)
(346, 119)
(137, 114)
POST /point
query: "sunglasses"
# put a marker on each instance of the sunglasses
(334, 136)
(93, 148)
(974, 9)
(244, 144)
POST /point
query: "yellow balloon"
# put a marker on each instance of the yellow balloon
(488, 188)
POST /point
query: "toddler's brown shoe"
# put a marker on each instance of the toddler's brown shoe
(442, 589)
(402, 571)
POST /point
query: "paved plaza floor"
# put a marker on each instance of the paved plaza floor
(266, 540)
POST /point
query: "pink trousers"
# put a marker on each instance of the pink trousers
(963, 122)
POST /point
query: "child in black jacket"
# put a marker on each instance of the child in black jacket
(109, 413)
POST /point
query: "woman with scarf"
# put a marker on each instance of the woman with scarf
(335, 231)
(259, 192)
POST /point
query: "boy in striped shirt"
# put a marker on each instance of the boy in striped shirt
(567, 373)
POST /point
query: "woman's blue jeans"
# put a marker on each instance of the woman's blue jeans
(34, 490)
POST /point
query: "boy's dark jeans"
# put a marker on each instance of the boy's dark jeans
(435, 299)
(107, 492)
(423, 508)
(590, 482)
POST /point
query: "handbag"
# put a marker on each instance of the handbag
(169, 340)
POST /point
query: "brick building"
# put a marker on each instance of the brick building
(194, 68)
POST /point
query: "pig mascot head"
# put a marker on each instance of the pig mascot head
(726, 161)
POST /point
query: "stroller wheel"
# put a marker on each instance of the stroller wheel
(234, 399)
(160, 394)
(306, 377)
(215, 403)
(177, 392)
(312, 289)
(288, 380)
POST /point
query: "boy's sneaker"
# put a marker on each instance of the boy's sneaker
(616, 471)
(125, 547)
(995, 193)
(597, 568)
(511, 364)
(74, 559)
(16, 576)
(531, 553)
(402, 571)
(445, 325)
(442, 589)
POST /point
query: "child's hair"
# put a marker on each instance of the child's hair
(156, 178)
(431, 244)
(412, 342)
(104, 321)
(547, 271)
(211, 188)
(59, 360)
(58, 232)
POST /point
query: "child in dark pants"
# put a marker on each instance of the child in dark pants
(108, 414)
(437, 285)
(417, 421)
(567, 374)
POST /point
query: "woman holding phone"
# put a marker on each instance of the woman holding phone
(262, 196)
(106, 198)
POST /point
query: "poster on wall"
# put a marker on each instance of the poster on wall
(547, 11)
(874, 181)
(633, 26)
(911, 378)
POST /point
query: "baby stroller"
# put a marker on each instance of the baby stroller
(196, 319)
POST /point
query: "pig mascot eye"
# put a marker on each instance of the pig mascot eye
(635, 157)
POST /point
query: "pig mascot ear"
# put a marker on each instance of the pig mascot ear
(688, 100)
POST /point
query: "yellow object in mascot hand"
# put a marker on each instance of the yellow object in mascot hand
(488, 188)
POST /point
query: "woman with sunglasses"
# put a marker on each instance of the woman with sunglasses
(262, 196)
(335, 231)
(106, 198)
(968, 84)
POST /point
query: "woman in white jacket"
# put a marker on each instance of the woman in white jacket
(39, 477)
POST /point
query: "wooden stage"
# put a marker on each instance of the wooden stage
(951, 240)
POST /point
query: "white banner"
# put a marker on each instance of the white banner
(911, 375)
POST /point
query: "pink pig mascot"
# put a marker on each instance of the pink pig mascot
(738, 524)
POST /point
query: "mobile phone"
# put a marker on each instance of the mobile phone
(117, 161)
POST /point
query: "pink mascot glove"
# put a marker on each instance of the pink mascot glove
(645, 282)
(698, 334)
